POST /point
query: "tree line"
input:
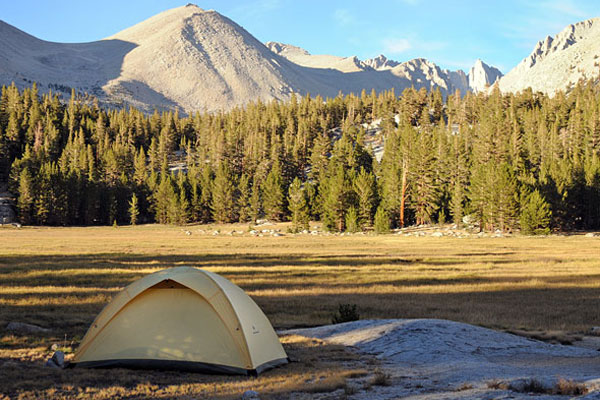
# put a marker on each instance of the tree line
(507, 161)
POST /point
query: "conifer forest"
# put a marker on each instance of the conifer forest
(508, 162)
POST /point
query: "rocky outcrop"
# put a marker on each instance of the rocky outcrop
(381, 63)
(482, 76)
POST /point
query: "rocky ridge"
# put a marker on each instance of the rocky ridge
(420, 72)
(557, 63)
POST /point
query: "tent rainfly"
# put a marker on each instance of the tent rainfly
(182, 318)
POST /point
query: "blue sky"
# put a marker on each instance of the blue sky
(453, 34)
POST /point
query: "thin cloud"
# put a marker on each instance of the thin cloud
(343, 17)
(396, 46)
(543, 18)
(567, 7)
(258, 8)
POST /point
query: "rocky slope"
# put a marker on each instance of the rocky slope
(381, 62)
(558, 62)
(185, 58)
(191, 59)
(481, 76)
(418, 72)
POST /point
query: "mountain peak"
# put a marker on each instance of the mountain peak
(281, 48)
(481, 76)
(381, 62)
(559, 61)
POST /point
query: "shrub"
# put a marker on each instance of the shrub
(346, 313)
(566, 387)
(381, 378)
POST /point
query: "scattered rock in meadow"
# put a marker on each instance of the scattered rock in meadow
(250, 395)
(58, 358)
(21, 327)
(595, 330)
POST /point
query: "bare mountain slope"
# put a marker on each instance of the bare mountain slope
(418, 72)
(25, 58)
(558, 62)
(199, 60)
(184, 58)
(191, 59)
(299, 56)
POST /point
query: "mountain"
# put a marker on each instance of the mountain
(418, 72)
(482, 76)
(557, 63)
(185, 58)
(302, 57)
(192, 59)
(381, 62)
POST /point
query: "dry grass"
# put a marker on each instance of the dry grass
(319, 367)
(566, 387)
(61, 278)
(562, 387)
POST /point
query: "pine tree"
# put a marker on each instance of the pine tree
(473, 155)
(43, 200)
(255, 202)
(223, 205)
(140, 174)
(335, 195)
(382, 221)
(134, 211)
(244, 196)
(183, 209)
(26, 197)
(298, 206)
(425, 186)
(505, 201)
(351, 220)
(273, 198)
(535, 215)
(366, 190)
(165, 198)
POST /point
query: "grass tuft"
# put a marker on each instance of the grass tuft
(381, 378)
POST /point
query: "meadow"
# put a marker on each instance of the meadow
(60, 278)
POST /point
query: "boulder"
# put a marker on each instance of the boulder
(593, 395)
(51, 364)
(21, 327)
(250, 395)
(58, 358)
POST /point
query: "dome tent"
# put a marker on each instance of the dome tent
(182, 318)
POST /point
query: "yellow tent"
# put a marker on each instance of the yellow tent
(182, 318)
